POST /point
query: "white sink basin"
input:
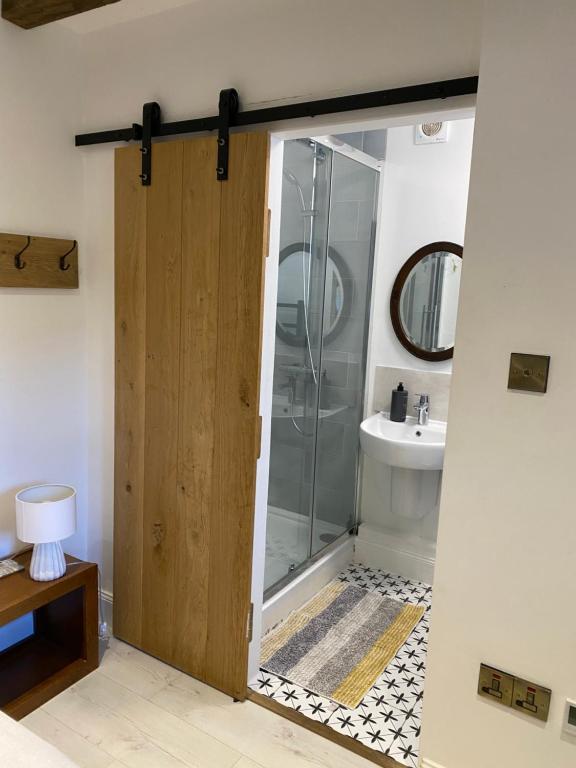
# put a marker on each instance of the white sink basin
(404, 444)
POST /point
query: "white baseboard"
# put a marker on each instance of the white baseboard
(305, 586)
(429, 764)
(407, 556)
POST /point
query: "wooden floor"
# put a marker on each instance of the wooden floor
(135, 712)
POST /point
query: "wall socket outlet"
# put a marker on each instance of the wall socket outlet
(532, 699)
(514, 692)
(495, 684)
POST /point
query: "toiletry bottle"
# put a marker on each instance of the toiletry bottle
(399, 403)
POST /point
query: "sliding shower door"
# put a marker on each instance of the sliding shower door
(347, 289)
(303, 248)
(324, 283)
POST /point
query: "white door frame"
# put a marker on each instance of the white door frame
(456, 108)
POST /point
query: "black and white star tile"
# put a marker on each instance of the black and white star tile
(388, 717)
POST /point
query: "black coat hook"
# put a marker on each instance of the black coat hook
(63, 265)
(18, 263)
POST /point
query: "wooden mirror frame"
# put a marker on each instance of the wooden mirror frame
(426, 250)
(338, 261)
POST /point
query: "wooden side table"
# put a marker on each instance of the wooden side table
(64, 646)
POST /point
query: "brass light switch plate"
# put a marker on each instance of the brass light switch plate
(528, 373)
(496, 685)
(531, 699)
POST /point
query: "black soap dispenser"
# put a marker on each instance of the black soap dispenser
(399, 403)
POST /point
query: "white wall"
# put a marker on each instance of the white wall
(423, 198)
(269, 50)
(507, 540)
(42, 343)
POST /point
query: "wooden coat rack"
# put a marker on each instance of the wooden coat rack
(34, 13)
(38, 262)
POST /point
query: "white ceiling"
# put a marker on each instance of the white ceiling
(125, 10)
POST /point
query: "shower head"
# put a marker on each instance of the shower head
(289, 176)
(319, 151)
(291, 179)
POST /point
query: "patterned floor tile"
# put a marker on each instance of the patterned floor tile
(403, 753)
(388, 717)
(411, 659)
(294, 696)
(266, 684)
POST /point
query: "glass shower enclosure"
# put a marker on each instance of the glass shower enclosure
(325, 274)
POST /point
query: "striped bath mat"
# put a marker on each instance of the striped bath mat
(340, 642)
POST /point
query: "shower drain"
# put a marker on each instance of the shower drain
(328, 538)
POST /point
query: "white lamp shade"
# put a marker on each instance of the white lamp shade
(45, 513)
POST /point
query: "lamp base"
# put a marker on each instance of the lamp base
(48, 562)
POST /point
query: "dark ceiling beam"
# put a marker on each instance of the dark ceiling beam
(34, 13)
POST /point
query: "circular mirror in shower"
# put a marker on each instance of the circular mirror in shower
(310, 291)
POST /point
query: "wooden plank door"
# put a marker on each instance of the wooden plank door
(189, 276)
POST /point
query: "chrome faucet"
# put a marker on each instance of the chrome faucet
(290, 385)
(423, 409)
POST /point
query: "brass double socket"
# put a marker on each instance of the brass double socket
(514, 692)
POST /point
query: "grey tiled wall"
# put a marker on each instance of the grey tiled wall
(433, 383)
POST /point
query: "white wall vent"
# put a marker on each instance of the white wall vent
(430, 133)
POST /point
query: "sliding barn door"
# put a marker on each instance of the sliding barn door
(189, 274)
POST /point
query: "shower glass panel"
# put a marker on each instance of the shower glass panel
(347, 289)
(326, 245)
(303, 246)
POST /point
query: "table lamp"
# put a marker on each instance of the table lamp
(46, 514)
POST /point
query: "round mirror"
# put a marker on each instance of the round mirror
(424, 301)
(302, 292)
